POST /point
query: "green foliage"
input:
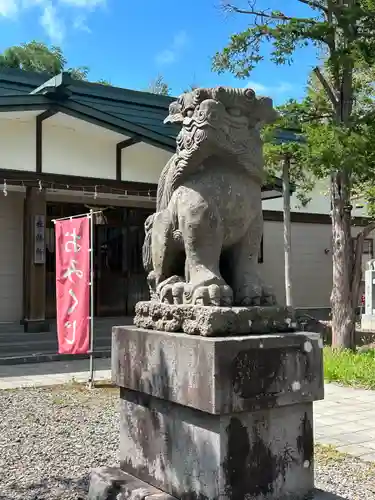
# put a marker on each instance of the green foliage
(80, 73)
(38, 57)
(159, 86)
(277, 150)
(327, 147)
(333, 147)
(347, 31)
(350, 368)
(104, 82)
(336, 118)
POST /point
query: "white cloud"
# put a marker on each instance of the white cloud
(53, 25)
(55, 15)
(9, 8)
(260, 88)
(170, 55)
(84, 4)
(80, 23)
(180, 40)
(167, 56)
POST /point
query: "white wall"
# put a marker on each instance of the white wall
(17, 144)
(11, 256)
(79, 150)
(69, 152)
(319, 204)
(143, 163)
(311, 266)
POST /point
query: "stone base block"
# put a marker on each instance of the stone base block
(219, 374)
(111, 483)
(212, 418)
(264, 455)
(214, 321)
(368, 322)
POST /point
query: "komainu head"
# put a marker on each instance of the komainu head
(221, 121)
(236, 102)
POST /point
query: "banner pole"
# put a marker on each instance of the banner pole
(91, 379)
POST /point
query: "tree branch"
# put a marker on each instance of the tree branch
(315, 5)
(327, 87)
(367, 230)
(260, 13)
(312, 117)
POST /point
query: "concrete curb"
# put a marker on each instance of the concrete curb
(48, 357)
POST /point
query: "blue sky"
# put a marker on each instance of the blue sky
(130, 42)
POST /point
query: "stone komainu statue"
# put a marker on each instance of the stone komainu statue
(202, 244)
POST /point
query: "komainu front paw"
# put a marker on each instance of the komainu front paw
(174, 290)
(255, 294)
(209, 295)
(171, 290)
(268, 296)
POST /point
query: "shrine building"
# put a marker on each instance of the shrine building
(68, 146)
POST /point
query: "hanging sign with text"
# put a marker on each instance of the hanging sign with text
(73, 284)
(39, 239)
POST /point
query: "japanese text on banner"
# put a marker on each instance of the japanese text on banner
(73, 284)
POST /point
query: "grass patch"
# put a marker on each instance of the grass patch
(350, 368)
(329, 457)
(70, 393)
(326, 454)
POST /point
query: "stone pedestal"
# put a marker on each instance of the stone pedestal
(212, 321)
(231, 417)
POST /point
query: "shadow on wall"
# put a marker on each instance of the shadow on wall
(150, 428)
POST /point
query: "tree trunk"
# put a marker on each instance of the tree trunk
(287, 232)
(342, 303)
(343, 309)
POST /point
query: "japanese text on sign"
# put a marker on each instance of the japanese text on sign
(72, 284)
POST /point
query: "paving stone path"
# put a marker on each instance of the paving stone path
(345, 419)
(54, 373)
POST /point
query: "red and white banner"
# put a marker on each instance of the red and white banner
(72, 284)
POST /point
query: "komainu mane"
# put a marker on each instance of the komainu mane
(202, 244)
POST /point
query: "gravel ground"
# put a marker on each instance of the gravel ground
(50, 439)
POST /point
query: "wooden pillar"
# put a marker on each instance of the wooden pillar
(35, 261)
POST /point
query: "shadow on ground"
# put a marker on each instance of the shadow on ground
(52, 488)
(56, 488)
(324, 495)
(53, 368)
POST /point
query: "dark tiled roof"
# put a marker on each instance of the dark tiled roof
(17, 82)
(127, 111)
(147, 115)
(142, 108)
